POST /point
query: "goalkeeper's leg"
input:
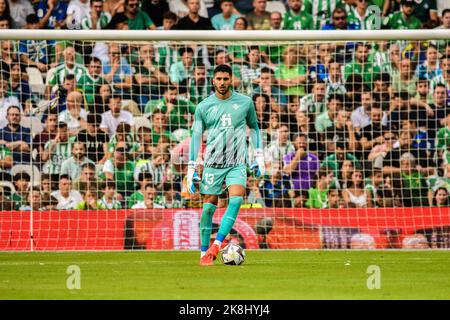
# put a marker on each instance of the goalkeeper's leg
(209, 207)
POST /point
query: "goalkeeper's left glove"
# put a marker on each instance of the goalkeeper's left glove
(258, 163)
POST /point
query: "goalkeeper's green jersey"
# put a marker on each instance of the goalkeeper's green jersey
(226, 122)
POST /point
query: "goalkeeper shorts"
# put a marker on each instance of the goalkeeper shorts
(212, 178)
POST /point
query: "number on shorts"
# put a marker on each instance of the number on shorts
(209, 178)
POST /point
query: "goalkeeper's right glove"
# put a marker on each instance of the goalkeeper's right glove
(258, 165)
(192, 176)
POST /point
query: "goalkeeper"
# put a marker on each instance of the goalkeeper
(225, 115)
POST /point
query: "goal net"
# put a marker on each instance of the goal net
(95, 140)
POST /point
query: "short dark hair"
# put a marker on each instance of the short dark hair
(223, 68)
(145, 175)
(94, 119)
(21, 176)
(64, 176)
(13, 107)
(62, 125)
(183, 50)
(70, 77)
(32, 19)
(114, 97)
(169, 15)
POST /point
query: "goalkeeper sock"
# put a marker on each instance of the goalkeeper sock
(229, 217)
(206, 225)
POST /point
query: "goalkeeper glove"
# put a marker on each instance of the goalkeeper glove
(258, 165)
(192, 176)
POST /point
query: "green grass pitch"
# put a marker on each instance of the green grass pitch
(265, 275)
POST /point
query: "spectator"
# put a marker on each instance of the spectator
(49, 133)
(326, 119)
(267, 85)
(426, 12)
(335, 199)
(445, 19)
(149, 199)
(87, 177)
(5, 11)
(339, 21)
(15, 137)
(184, 68)
(275, 190)
(361, 16)
(21, 182)
(441, 198)
(291, 75)
(341, 131)
(6, 163)
(361, 116)
(112, 118)
(444, 78)
(69, 66)
(117, 71)
(361, 64)
(276, 19)
(52, 14)
(251, 70)
(19, 10)
(320, 11)
(430, 68)
(67, 198)
(443, 138)
(18, 85)
(72, 166)
(74, 116)
(123, 138)
(409, 183)
(144, 178)
(97, 18)
(169, 19)
(5, 203)
(392, 161)
(34, 200)
(259, 18)
(120, 170)
(315, 102)
(403, 19)
(46, 183)
(335, 160)
(89, 81)
(277, 149)
(318, 194)
(149, 76)
(193, 20)
(6, 100)
(199, 86)
(372, 134)
(137, 18)
(94, 139)
(90, 199)
(297, 19)
(301, 165)
(237, 53)
(226, 19)
(379, 152)
(76, 11)
(155, 9)
(109, 201)
(101, 99)
(262, 107)
(355, 195)
(334, 81)
(181, 8)
(56, 151)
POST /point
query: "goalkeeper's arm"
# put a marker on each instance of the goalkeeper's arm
(194, 148)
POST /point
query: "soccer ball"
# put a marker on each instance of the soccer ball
(233, 254)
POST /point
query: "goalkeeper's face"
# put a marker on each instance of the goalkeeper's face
(222, 82)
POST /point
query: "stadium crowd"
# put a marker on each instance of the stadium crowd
(345, 125)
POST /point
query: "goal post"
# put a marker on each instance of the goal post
(95, 129)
